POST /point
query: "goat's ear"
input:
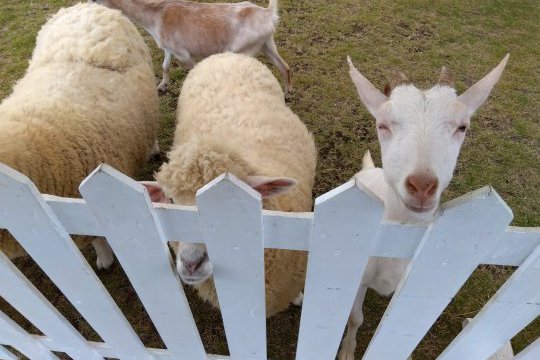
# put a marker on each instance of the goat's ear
(156, 192)
(478, 93)
(369, 94)
(270, 186)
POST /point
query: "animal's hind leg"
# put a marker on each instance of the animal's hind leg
(356, 318)
(166, 66)
(270, 50)
(185, 58)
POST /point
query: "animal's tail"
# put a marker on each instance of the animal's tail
(367, 161)
(273, 5)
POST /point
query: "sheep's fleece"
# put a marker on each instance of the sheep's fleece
(232, 117)
(88, 97)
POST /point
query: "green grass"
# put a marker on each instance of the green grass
(416, 37)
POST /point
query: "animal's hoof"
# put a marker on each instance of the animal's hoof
(162, 87)
(287, 97)
(104, 263)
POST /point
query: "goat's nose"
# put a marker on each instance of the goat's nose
(422, 186)
(192, 266)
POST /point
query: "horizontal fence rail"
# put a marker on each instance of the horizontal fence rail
(342, 233)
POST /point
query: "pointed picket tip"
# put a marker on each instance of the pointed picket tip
(104, 171)
(351, 188)
(227, 181)
(13, 175)
(18, 184)
(484, 194)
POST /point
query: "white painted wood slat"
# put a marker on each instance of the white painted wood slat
(515, 305)
(516, 245)
(103, 349)
(344, 228)
(465, 230)
(231, 223)
(393, 240)
(532, 352)
(28, 301)
(16, 337)
(123, 209)
(289, 231)
(34, 225)
(5, 354)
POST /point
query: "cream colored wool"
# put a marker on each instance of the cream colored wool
(88, 97)
(232, 118)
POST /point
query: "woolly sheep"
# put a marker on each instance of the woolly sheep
(88, 97)
(232, 118)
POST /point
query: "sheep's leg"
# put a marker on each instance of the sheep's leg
(166, 66)
(348, 345)
(299, 299)
(270, 50)
(104, 254)
(155, 151)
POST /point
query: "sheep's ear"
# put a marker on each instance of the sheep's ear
(270, 186)
(369, 94)
(156, 192)
(478, 93)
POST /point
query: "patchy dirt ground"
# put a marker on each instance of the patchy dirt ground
(314, 36)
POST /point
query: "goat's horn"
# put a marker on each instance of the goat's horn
(446, 78)
(398, 79)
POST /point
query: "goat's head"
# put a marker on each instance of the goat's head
(421, 131)
(192, 263)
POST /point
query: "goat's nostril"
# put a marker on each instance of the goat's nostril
(411, 188)
(432, 187)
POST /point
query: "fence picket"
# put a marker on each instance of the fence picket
(341, 234)
(22, 341)
(5, 354)
(532, 352)
(515, 305)
(231, 223)
(34, 225)
(450, 251)
(123, 209)
(344, 227)
(24, 297)
(393, 240)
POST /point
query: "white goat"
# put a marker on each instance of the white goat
(188, 30)
(420, 133)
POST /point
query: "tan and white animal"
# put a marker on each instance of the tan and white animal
(232, 118)
(88, 97)
(420, 133)
(190, 30)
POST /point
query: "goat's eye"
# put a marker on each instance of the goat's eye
(383, 127)
(462, 128)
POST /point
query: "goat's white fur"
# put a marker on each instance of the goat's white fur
(423, 134)
(190, 30)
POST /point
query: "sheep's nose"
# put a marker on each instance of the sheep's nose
(422, 186)
(192, 266)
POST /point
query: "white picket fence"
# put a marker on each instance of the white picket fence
(344, 230)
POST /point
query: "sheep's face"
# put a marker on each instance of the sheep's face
(421, 132)
(192, 262)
